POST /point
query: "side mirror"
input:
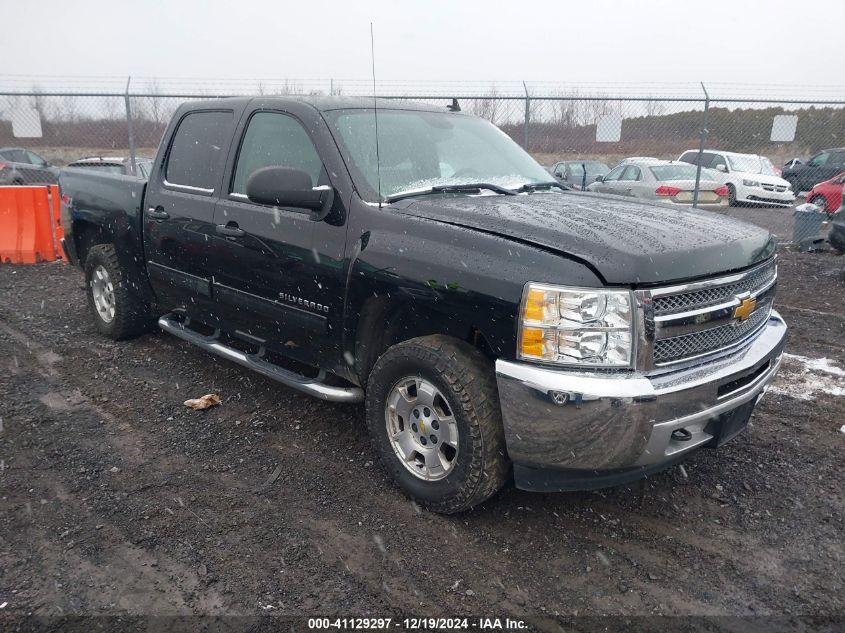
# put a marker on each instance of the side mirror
(287, 187)
(722, 168)
(599, 178)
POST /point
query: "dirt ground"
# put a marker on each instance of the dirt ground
(117, 499)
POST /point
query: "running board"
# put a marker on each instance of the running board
(211, 343)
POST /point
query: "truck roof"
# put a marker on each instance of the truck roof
(323, 103)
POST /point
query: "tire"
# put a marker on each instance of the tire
(732, 196)
(820, 202)
(464, 379)
(118, 312)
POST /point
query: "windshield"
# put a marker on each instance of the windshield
(768, 168)
(745, 162)
(419, 150)
(676, 172)
(107, 167)
(594, 168)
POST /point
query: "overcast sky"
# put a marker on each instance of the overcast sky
(753, 41)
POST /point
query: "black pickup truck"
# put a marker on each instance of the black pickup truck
(495, 323)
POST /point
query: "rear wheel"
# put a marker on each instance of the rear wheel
(118, 312)
(820, 202)
(434, 419)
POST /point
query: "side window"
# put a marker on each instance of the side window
(35, 159)
(615, 173)
(837, 158)
(718, 160)
(279, 140)
(632, 172)
(17, 156)
(819, 159)
(198, 149)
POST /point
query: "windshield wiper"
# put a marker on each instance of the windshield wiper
(540, 186)
(475, 186)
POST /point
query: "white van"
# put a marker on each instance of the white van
(751, 179)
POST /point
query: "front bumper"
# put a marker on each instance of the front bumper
(759, 195)
(591, 427)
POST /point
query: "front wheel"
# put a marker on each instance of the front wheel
(434, 419)
(732, 196)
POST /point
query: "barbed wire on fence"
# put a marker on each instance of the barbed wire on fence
(552, 120)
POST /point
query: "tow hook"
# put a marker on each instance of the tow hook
(681, 435)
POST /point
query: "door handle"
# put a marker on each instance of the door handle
(230, 230)
(158, 213)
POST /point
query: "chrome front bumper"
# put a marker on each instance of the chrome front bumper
(563, 420)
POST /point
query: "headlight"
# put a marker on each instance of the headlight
(583, 327)
(750, 183)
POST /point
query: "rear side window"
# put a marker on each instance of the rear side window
(631, 173)
(198, 149)
(16, 155)
(690, 157)
(275, 140)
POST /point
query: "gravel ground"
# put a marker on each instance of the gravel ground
(117, 499)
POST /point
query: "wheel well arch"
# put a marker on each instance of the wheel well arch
(384, 322)
(87, 234)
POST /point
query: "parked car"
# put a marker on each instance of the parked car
(115, 165)
(572, 172)
(750, 178)
(664, 180)
(827, 195)
(492, 320)
(822, 166)
(635, 159)
(20, 166)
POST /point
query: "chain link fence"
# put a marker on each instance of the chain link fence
(552, 123)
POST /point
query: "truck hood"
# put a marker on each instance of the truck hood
(626, 242)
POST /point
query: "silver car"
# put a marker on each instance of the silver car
(662, 180)
(20, 166)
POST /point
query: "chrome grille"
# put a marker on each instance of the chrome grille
(704, 341)
(714, 295)
(778, 188)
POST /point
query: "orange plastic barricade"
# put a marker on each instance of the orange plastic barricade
(56, 219)
(26, 233)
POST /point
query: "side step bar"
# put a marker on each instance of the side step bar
(211, 343)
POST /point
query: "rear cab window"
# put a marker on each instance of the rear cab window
(198, 150)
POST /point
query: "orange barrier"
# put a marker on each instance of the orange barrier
(27, 232)
(56, 218)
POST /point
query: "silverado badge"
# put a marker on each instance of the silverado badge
(745, 308)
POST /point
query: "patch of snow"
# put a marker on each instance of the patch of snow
(802, 378)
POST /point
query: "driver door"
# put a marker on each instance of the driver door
(275, 274)
(610, 183)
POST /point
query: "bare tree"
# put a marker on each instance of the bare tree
(489, 107)
(653, 107)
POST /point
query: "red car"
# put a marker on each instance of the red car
(827, 195)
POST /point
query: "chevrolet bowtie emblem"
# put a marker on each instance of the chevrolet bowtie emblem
(745, 308)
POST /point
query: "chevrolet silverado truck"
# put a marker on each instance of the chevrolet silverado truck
(495, 324)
